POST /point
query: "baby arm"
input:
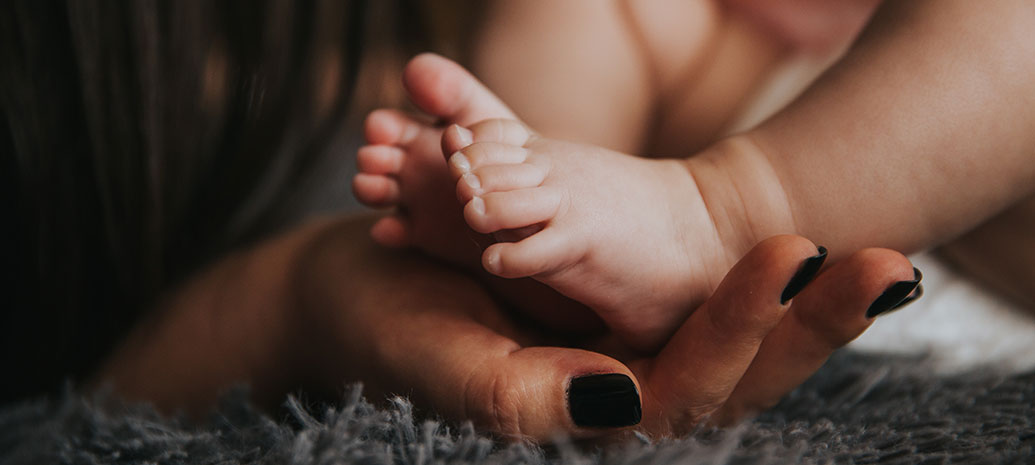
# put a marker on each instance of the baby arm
(921, 132)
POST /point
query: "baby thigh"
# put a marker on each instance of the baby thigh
(589, 71)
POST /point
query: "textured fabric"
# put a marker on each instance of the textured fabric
(857, 409)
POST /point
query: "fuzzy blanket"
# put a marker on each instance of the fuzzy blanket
(856, 409)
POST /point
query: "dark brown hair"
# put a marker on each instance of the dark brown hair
(143, 139)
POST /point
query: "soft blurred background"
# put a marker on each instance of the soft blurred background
(144, 139)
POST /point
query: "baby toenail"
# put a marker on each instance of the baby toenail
(459, 161)
(471, 180)
(478, 205)
(491, 262)
(464, 135)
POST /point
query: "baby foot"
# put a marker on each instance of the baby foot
(630, 237)
(402, 166)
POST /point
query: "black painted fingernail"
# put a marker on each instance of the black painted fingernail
(804, 276)
(897, 296)
(604, 401)
(916, 294)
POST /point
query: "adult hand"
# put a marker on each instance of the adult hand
(406, 326)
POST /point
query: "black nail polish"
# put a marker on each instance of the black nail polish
(897, 296)
(808, 270)
(912, 297)
(604, 401)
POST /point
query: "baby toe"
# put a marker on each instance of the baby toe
(455, 138)
(392, 127)
(383, 126)
(374, 190)
(499, 178)
(446, 90)
(497, 211)
(503, 131)
(392, 231)
(500, 131)
(542, 253)
(482, 154)
(380, 159)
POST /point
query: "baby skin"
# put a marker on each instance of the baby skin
(632, 238)
(855, 162)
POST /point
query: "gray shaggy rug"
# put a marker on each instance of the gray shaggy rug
(856, 409)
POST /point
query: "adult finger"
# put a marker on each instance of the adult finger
(468, 371)
(700, 366)
(414, 329)
(835, 309)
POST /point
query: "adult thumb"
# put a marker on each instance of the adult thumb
(524, 392)
(465, 369)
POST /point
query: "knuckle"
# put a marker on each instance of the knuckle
(739, 322)
(686, 421)
(493, 404)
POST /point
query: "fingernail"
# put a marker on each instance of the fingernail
(604, 401)
(897, 296)
(912, 297)
(478, 205)
(471, 180)
(465, 135)
(804, 276)
(459, 161)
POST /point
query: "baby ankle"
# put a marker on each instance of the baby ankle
(743, 193)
